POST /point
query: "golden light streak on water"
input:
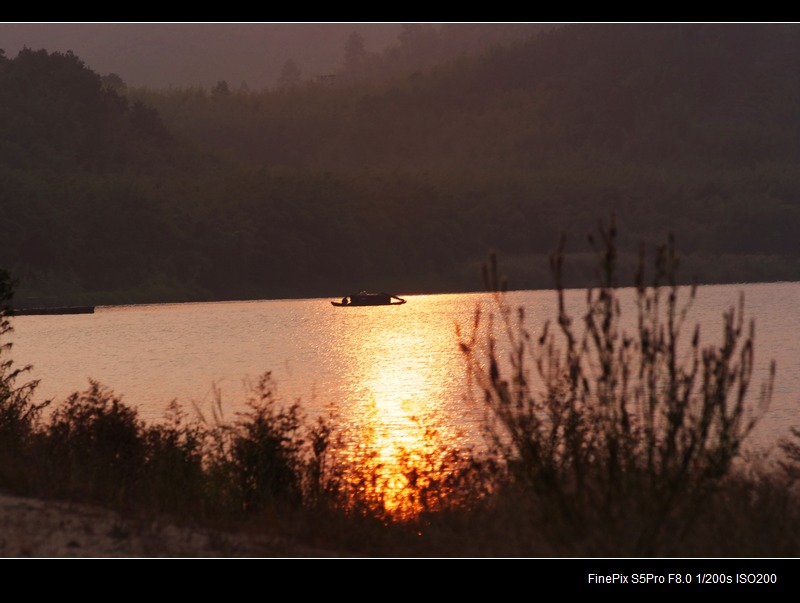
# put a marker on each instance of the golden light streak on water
(402, 420)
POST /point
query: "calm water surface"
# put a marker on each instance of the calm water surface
(393, 372)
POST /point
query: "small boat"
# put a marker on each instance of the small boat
(370, 299)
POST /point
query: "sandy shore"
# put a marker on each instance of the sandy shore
(37, 528)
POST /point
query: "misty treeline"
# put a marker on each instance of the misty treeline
(403, 179)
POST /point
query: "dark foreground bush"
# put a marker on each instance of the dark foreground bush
(94, 446)
(18, 415)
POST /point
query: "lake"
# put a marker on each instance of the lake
(395, 372)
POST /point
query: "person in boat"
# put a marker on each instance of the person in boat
(345, 301)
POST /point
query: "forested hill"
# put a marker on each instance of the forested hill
(115, 194)
(257, 56)
(57, 114)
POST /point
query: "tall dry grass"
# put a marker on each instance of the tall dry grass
(611, 439)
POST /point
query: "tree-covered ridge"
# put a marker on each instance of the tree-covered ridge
(403, 183)
(56, 113)
(645, 92)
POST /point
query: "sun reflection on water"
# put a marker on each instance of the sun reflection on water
(401, 425)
